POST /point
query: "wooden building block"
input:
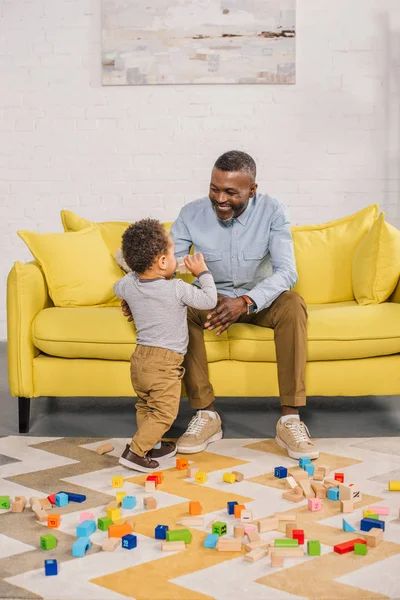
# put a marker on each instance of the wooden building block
(111, 544)
(104, 448)
(268, 524)
(239, 476)
(339, 477)
(172, 546)
(289, 529)
(289, 552)
(229, 478)
(318, 474)
(195, 508)
(182, 464)
(53, 521)
(298, 474)
(118, 531)
(373, 537)
(345, 492)
(254, 545)
(41, 515)
(380, 510)
(200, 477)
(285, 516)
(306, 486)
(347, 546)
(253, 536)
(277, 560)
(394, 486)
(149, 503)
(346, 506)
(226, 545)
(237, 510)
(238, 531)
(292, 497)
(291, 482)
(117, 481)
(19, 504)
(192, 470)
(159, 476)
(255, 555)
(319, 490)
(325, 468)
(150, 486)
(45, 504)
(246, 516)
(111, 505)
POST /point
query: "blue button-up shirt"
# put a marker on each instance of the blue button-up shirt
(252, 255)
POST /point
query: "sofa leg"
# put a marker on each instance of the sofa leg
(24, 406)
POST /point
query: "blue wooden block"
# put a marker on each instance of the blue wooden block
(280, 472)
(333, 494)
(304, 460)
(231, 507)
(129, 502)
(129, 541)
(309, 469)
(81, 546)
(62, 499)
(86, 528)
(367, 524)
(347, 527)
(74, 497)
(211, 540)
(160, 532)
(50, 567)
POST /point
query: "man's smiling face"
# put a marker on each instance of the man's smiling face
(230, 192)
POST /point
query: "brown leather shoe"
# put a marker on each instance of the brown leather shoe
(167, 450)
(144, 464)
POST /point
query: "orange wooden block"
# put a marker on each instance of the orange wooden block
(117, 531)
(237, 510)
(160, 477)
(195, 508)
(182, 463)
(53, 521)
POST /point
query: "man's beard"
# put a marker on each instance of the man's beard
(225, 222)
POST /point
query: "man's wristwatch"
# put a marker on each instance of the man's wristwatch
(251, 305)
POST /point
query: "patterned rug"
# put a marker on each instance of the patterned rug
(40, 466)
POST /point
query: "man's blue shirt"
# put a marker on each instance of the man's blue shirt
(251, 255)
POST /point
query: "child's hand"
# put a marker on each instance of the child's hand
(195, 263)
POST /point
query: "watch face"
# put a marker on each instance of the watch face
(252, 308)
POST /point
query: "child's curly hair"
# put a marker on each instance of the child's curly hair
(142, 242)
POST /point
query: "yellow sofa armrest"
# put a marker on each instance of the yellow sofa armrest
(395, 297)
(27, 295)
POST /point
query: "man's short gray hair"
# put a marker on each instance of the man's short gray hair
(234, 160)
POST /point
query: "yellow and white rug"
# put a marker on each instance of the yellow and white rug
(40, 466)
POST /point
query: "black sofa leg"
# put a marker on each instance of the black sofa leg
(24, 407)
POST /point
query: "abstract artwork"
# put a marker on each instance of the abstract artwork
(198, 41)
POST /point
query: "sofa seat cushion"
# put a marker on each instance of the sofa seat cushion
(339, 331)
(87, 332)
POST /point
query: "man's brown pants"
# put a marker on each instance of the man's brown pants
(156, 375)
(287, 316)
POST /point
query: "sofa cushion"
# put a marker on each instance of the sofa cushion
(324, 255)
(376, 263)
(78, 267)
(337, 331)
(89, 332)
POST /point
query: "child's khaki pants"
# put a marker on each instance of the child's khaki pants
(156, 375)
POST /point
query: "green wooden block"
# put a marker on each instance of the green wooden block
(4, 502)
(104, 523)
(179, 535)
(285, 543)
(314, 548)
(374, 517)
(219, 527)
(360, 549)
(48, 541)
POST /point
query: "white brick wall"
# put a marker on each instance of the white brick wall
(327, 146)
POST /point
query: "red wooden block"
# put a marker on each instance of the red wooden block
(339, 477)
(298, 534)
(52, 498)
(152, 478)
(348, 546)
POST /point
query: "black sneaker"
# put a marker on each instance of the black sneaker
(167, 450)
(138, 463)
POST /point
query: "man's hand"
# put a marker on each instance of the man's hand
(227, 311)
(195, 263)
(126, 310)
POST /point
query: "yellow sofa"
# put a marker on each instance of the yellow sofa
(353, 349)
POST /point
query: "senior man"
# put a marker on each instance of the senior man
(242, 234)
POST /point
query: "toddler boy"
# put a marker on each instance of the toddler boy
(158, 304)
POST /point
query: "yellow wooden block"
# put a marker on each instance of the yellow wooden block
(119, 496)
(229, 478)
(200, 477)
(114, 514)
(117, 481)
(394, 486)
